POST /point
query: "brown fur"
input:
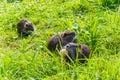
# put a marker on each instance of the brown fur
(24, 27)
(57, 41)
(73, 51)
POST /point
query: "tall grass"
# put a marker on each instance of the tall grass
(96, 23)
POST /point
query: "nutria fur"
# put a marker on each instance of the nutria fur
(70, 51)
(57, 41)
(24, 27)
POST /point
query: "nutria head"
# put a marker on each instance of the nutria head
(24, 27)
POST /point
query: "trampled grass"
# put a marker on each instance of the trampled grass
(96, 23)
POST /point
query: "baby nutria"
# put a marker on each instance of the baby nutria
(24, 27)
(73, 51)
(57, 41)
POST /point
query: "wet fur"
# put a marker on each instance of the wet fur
(75, 51)
(24, 27)
(60, 40)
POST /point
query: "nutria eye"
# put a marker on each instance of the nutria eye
(27, 24)
(67, 46)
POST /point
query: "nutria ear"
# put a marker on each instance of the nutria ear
(64, 35)
(26, 24)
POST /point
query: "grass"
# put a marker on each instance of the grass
(96, 23)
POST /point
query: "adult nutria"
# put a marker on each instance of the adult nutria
(57, 41)
(24, 27)
(73, 51)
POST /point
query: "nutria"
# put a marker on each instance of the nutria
(24, 27)
(72, 51)
(57, 41)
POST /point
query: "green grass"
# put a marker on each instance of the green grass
(96, 23)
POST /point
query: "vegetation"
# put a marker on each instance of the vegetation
(96, 23)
